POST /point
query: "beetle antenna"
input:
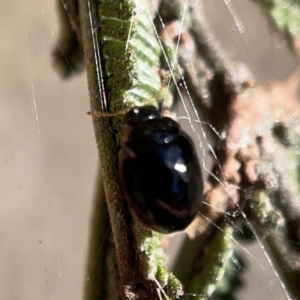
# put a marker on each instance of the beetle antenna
(99, 114)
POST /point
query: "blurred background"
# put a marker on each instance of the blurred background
(48, 158)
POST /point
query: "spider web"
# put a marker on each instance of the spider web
(46, 137)
(234, 14)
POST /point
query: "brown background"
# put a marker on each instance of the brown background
(48, 159)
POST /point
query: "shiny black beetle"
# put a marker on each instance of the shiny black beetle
(159, 171)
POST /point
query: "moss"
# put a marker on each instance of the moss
(285, 14)
(264, 211)
(150, 246)
(117, 29)
(212, 265)
(109, 9)
(118, 51)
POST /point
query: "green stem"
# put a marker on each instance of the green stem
(101, 274)
(140, 258)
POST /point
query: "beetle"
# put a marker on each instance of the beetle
(159, 172)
